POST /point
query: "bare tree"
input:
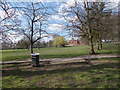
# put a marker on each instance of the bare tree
(86, 19)
(8, 22)
(81, 21)
(35, 17)
(99, 14)
(110, 27)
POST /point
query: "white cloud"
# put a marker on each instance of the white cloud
(69, 3)
(34, 0)
(47, 39)
(67, 6)
(55, 27)
(116, 1)
(113, 5)
(56, 17)
(56, 0)
(44, 35)
(73, 18)
(15, 37)
(2, 14)
(60, 9)
(20, 13)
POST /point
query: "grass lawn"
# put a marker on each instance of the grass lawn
(102, 74)
(61, 52)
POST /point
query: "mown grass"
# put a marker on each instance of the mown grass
(61, 52)
(104, 75)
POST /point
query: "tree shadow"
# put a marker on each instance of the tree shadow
(58, 68)
(62, 55)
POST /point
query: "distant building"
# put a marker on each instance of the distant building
(77, 42)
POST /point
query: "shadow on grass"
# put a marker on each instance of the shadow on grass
(62, 69)
(110, 58)
(62, 55)
(110, 52)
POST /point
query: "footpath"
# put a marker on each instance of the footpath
(62, 60)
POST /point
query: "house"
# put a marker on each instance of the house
(77, 42)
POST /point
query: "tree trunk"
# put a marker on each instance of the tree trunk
(100, 40)
(31, 48)
(91, 46)
(98, 45)
(31, 38)
(101, 44)
(105, 39)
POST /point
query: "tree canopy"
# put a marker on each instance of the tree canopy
(59, 41)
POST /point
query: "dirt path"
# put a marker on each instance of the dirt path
(63, 60)
(59, 66)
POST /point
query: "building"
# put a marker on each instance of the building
(77, 42)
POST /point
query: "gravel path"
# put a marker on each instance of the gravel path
(62, 60)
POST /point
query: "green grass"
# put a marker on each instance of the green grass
(104, 75)
(61, 52)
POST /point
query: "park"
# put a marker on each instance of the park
(59, 44)
(69, 74)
